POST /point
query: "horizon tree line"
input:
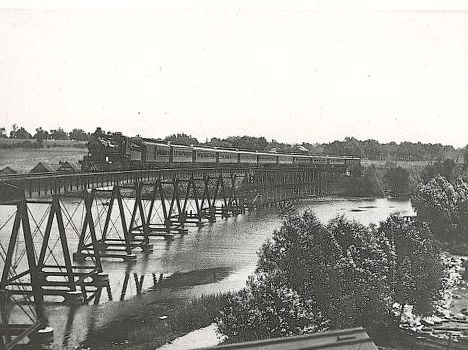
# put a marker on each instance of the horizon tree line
(366, 149)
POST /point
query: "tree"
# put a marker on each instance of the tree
(372, 149)
(14, 129)
(397, 181)
(216, 142)
(414, 181)
(58, 134)
(445, 168)
(19, 133)
(448, 169)
(418, 272)
(3, 134)
(182, 139)
(444, 206)
(315, 148)
(363, 182)
(78, 135)
(248, 142)
(268, 308)
(364, 282)
(40, 136)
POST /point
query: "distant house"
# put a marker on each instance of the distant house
(7, 171)
(54, 168)
(68, 167)
(45, 168)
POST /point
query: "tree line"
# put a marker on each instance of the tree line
(20, 133)
(367, 149)
(394, 180)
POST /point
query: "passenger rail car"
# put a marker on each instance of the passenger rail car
(116, 152)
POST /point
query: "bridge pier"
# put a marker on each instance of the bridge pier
(56, 275)
(110, 243)
(15, 271)
(58, 278)
(158, 225)
(141, 230)
(197, 200)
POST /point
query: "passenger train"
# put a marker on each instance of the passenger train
(118, 152)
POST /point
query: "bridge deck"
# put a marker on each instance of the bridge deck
(37, 186)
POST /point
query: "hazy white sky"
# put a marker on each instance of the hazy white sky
(292, 71)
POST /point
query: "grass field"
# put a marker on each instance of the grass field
(5, 143)
(24, 159)
(404, 164)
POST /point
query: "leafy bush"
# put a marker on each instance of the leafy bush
(444, 206)
(364, 285)
(266, 308)
(397, 181)
(363, 182)
(446, 168)
(418, 271)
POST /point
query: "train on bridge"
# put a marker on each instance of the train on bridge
(114, 151)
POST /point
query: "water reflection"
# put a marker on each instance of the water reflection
(215, 258)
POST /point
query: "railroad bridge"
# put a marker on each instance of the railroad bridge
(55, 230)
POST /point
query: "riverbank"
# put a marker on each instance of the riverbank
(449, 324)
(159, 325)
(448, 327)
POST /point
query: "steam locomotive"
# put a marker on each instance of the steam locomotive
(113, 151)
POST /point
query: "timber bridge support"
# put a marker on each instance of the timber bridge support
(55, 230)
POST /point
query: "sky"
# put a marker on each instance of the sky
(293, 71)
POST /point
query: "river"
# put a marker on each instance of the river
(214, 258)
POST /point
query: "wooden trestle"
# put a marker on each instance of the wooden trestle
(135, 208)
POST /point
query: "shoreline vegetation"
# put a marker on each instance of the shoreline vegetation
(397, 180)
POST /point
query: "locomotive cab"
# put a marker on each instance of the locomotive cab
(111, 152)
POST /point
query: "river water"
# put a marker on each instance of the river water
(215, 258)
